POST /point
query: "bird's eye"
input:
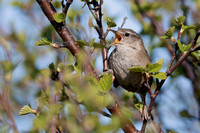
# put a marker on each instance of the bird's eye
(126, 34)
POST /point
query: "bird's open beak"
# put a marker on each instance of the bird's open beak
(117, 39)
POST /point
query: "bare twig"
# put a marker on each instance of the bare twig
(66, 7)
(6, 107)
(124, 21)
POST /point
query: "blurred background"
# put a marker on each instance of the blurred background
(23, 24)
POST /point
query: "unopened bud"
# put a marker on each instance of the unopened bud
(173, 39)
(54, 45)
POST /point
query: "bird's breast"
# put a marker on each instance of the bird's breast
(120, 61)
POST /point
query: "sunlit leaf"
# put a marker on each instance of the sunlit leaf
(179, 21)
(159, 75)
(106, 82)
(139, 105)
(188, 27)
(168, 33)
(155, 67)
(110, 23)
(26, 110)
(137, 69)
(59, 17)
(90, 23)
(183, 47)
(43, 41)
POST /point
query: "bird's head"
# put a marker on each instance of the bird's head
(125, 37)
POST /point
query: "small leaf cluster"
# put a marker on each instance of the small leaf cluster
(91, 43)
(110, 23)
(59, 17)
(151, 69)
(178, 24)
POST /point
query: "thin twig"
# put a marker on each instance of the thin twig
(66, 7)
(124, 21)
(6, 107)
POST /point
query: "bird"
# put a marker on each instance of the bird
(129, 52)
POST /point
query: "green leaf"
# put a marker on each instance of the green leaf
(52, 66)
(179, 21)
(137, 69)
(159, 75)
(7, 65)
(25, 110)
(91, 44)
(82, 42)
(188, 27)
(59, 17)
(90, 23)
(139, 105)
(155, 67)
(170, 32)
(106, 82)
(183, 47)
(17, 3)
(184, 113)
(110, 23)
(161, 61)
(43, 41)
(171, 131)
(103, 100)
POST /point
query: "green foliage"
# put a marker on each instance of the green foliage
(184, 113)
(183, 47)
(137, 69)
(178, 21)
(7, 66)
(27, 110)
(106, 82)
(159, 75)
(151, 69)
(169, 33)
(171, 131)
(90, 23)
(92, 43)
(139, 105)
(110, 23)
(17, 3)
(52, 67)
(42, 42)
(155, 67)
(59, 17)
(188, 27)
(72, 14)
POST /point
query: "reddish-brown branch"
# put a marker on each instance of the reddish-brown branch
(64, 33)
(6, 107)
(128, 127)
(66, 7)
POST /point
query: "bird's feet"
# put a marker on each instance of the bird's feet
(109, 71)
(145, 115)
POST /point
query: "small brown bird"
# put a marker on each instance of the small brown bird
(129, 52)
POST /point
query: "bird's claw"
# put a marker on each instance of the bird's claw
(109, 71)
(145, 115)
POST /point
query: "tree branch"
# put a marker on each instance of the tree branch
(64, 33)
